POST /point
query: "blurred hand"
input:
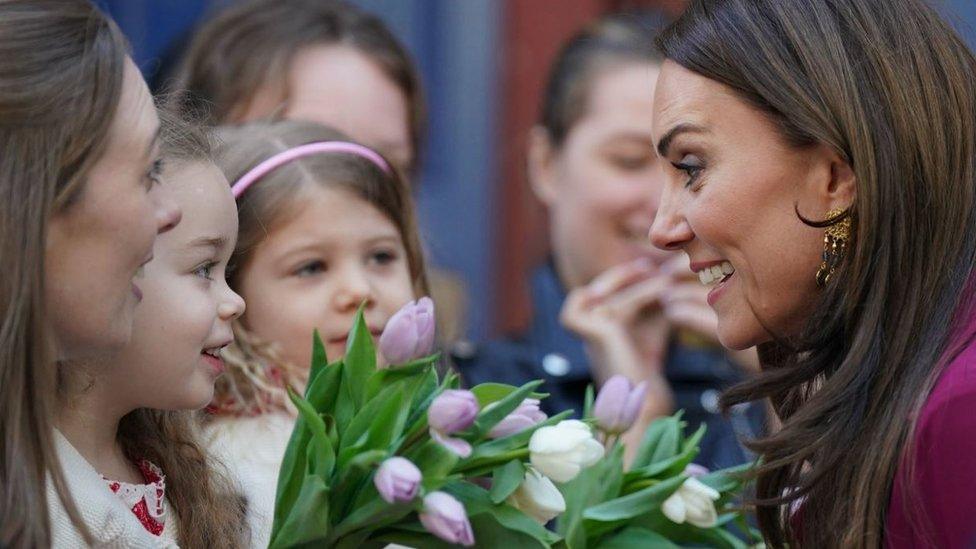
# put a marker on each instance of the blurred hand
(619, 316)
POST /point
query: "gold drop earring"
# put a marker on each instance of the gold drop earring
(836, 237)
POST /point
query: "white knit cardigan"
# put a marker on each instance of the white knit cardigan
(108, 519)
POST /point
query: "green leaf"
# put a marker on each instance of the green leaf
(660, 441)
(594, 485)
(588, 402)
(727, 480)
(376, 426)
(486, 393)
(321, 455)
(360, 360)
(386, 377)
(609, 515)
(637, 538)
(375, 514)
(295, 463)
(319, 360)
(301, 525)
(506, 479)
(671, 466)
(491, 416)
(434, 461)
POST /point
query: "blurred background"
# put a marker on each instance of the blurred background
(483, 64)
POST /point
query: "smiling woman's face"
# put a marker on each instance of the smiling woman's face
(732, 190)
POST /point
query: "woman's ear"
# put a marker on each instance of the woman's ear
(541, 165)
(832, 184)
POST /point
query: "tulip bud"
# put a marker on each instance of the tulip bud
(693, 502)
(618, 404)
(694, 470)
(446, 518)
(538, 497)
(409, 334)
(452, 411)
(561, 451)
(525, 416)
(397, 480)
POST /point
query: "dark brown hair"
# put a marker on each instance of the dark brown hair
(223, 69)
(256, 374)
(599, 47)
(210, 510)
(60, 84)
(890, 87)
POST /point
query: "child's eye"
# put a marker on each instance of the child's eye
(205, 270)
(310, 268)
(383, 257)
(154, 175)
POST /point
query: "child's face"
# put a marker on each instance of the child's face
(314, 271)
(186, 313)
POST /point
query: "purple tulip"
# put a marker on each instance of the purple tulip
(446, 518)
(397, 480)
(409, 334)
(694, 470)
(525, 416)
(452, 411)
(618, 404)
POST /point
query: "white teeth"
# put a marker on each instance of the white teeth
(715, 273)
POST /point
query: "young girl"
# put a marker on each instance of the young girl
(326, 226)
(127, 438)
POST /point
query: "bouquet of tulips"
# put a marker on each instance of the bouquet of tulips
(398, 455)
(663, 500)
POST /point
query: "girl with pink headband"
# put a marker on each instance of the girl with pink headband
(325, 225)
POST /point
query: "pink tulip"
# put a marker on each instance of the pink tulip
(409, 334)
(452, 411)
(618, 404)
(527, 415)
(446, 518)
(397, 480)
(694, 470)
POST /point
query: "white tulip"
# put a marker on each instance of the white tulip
(692, 503)
(538, 497)
(561, 451)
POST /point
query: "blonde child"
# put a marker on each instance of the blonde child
(127, 436)
(326, 225)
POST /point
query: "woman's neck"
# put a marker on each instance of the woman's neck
(89, 419)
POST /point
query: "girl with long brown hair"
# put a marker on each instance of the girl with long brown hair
(822, 178)
(79, 212)
(127, 435)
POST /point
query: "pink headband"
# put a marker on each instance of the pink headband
(284, 157)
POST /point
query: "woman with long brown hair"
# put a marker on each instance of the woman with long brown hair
(822, 178)
(79, 212)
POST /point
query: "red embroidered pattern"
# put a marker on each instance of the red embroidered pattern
(145, 500)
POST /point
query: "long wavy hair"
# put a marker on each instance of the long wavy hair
(890, 87)
(60, 82)
(209, 506)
